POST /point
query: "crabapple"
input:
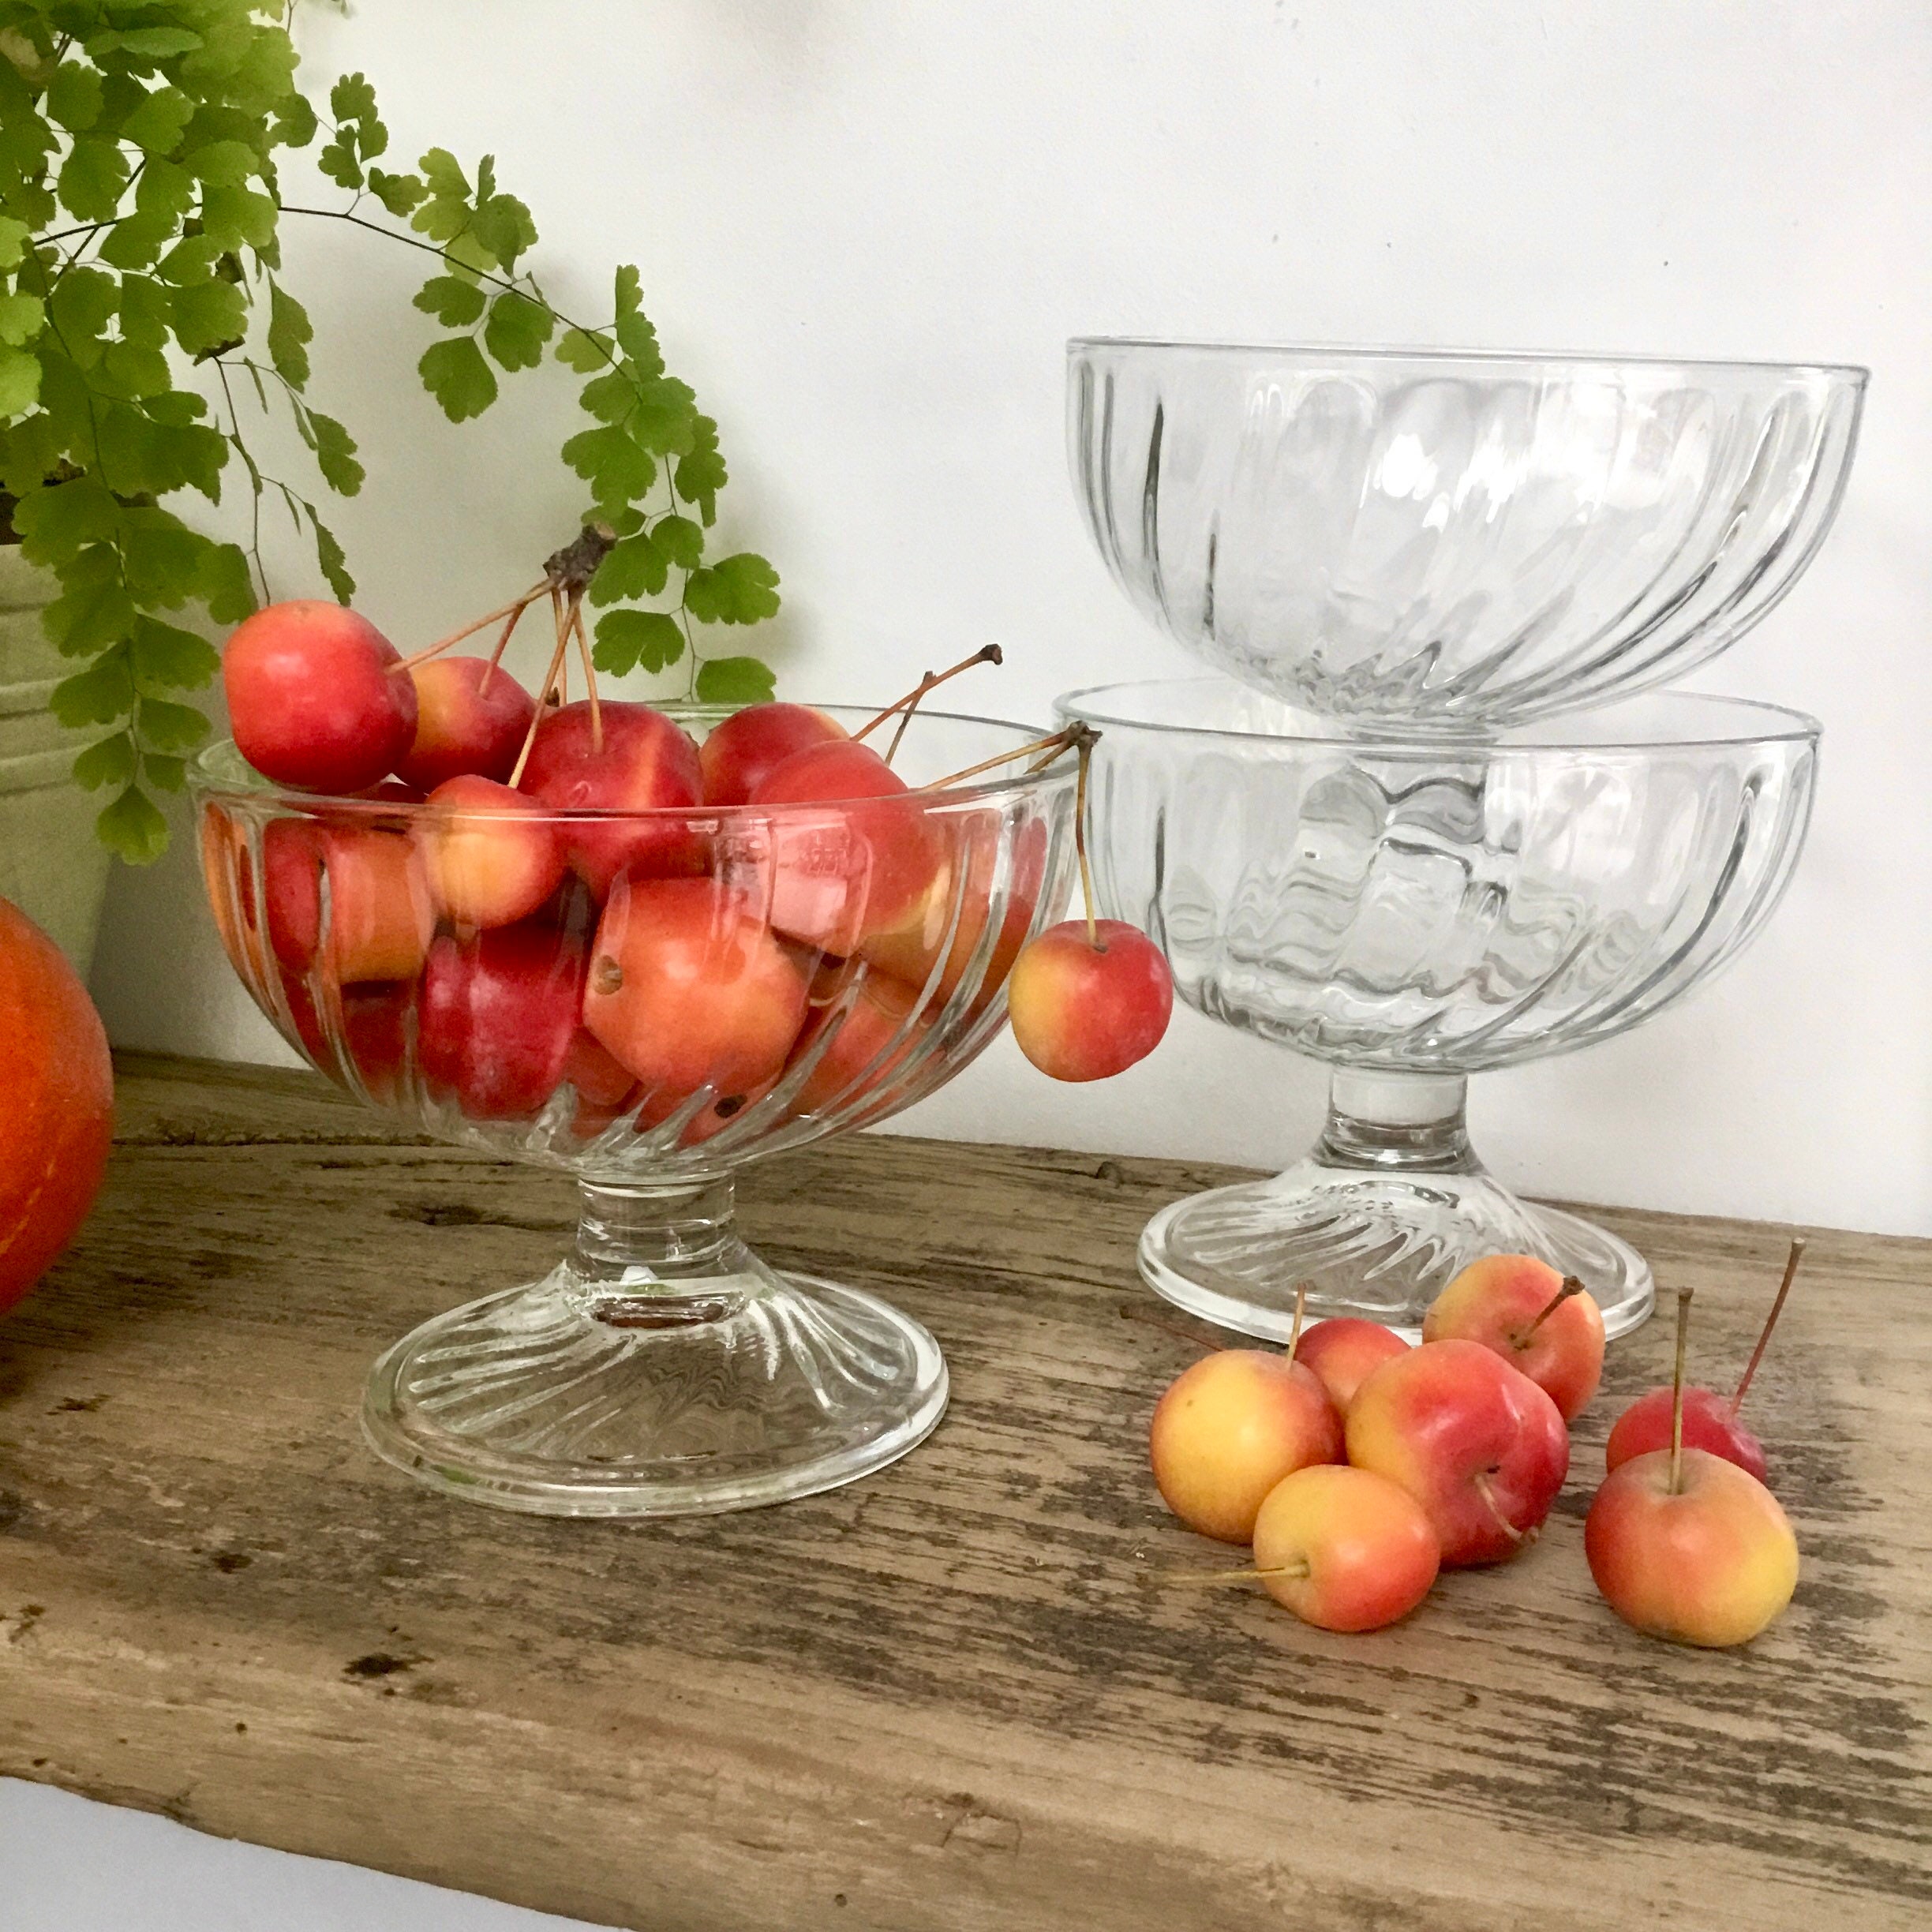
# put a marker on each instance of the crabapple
(836, 876)
(1478, 1444)
(934, 926)
(1519, 1306)
(860, 1054)
(497, 1016)
(1709, 1560)
(471, 717)
(604, 1090)
(1343, 1350)
(1344, 1549)
(492, 855)
(372, 1026)
(379, 914)
(1085, 1007)
(688, 987)
(646, 765)
(1230, 1427)
(1709, 1423)
(313, 700)
(741, 750)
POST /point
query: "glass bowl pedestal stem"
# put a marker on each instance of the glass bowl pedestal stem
(1391, 1195)
(660, 1357)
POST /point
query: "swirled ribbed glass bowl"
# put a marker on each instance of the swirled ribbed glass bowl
(784, 983)
(1412, 914)
(1431, 542)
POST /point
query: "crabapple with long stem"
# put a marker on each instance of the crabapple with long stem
(1088, 999)
(1344, 1549)
(1687, 1545)
(646, 769)
(1711, 1421)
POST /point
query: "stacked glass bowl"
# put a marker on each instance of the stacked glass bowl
(1424, 823)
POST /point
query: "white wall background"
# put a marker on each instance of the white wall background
(865, 227)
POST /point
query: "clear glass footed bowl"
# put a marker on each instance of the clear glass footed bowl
(1413, 914)
(1445, 541)
(755, 979)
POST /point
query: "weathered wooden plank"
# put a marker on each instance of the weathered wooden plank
(942, 1697)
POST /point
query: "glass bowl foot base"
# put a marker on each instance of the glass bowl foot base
(1381, 1246)
(577, 1397)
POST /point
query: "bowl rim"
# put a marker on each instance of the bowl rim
(205, 784)
(1779, 725)
(1856, 375)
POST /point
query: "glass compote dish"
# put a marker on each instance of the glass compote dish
(1439, 543)
(1412, 914)
(773, 974)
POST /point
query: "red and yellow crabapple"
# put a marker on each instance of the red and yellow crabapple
(1344, 1549)
(738, 753)
(646, 767)
(1478, 1444)
(1549, 1328)
(1086, 1007)
(492, 855)
(688, 987)
(1230, 1427)
(472, 717)
(1709, 1561)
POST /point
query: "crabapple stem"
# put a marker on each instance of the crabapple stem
(1571, 1286)
(900, 731)
(1764, 1333)
(502, 644)
(1226, 1576)
(987, 653)
(1054, 744)
(512, 611)
(543, 690)
(1488, 1494)
(1294, 1334)
(1086, 890)
(589, 672)
(1677, 1389)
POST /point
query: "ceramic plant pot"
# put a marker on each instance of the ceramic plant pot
(51, 865)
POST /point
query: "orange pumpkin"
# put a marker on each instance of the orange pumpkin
(56, 1102)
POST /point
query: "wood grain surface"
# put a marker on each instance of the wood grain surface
(944, 1697)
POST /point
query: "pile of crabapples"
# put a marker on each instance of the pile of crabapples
(1358, 1466)
(537, 895)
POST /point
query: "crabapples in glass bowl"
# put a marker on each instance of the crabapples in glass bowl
(648, 997)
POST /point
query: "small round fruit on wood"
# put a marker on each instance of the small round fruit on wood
(56, 1102)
